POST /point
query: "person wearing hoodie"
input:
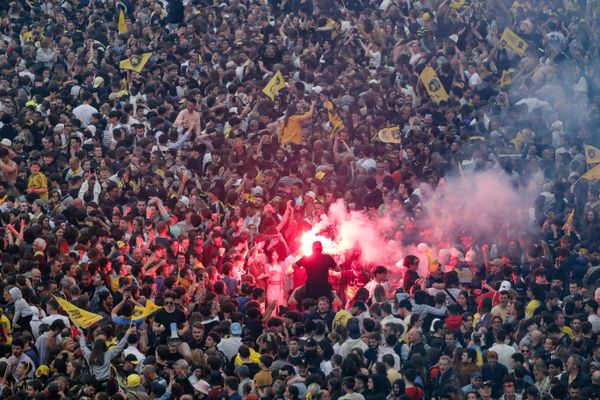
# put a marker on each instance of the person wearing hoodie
(99, 358)
(23, 314)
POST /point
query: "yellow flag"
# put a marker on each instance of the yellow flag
(334, 119)
(390, 135)
(135, 63)
(506, 78)
(570, 217)
(79, 316)
(142, 312)
(124, 89)
(593, 174)
(456, 4)
(320, 175)
(433, 85)
(122, 25)
(513, 41)
(569, 224)
(274, 86)
(330, 22)
(592, 154)
(432, 262)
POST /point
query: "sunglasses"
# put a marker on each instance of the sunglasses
(169, 303)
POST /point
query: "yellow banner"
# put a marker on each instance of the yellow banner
(79, 316)
(593, 174)
(135, 63)
(142, 312)
(513, 42)
(122, 25)
(274, 86)
(592, 154)
(456, 4)
(433, 85)
(390, 135)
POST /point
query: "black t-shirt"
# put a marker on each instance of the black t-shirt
(317, 269)
(166, 319)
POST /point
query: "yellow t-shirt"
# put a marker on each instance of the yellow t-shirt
(263, 378)
(38, 181)
(531, 307)
(5, 324)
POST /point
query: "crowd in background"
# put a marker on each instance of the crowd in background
(142, 163)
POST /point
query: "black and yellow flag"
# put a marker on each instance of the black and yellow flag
(334, 120)
(513, 42)
(433, 85)
(274, 86)
(135, 63)
(121, 24)
(592, 154)
(390, 135)
(506, 77)
(79, 316)
(124, 89)
(140, 312)
(456, 4)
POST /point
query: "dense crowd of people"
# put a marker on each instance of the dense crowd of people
(141, 163)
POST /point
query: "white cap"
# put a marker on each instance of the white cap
(185, 201)
(98, 81)
(505, 285)
(6, 142)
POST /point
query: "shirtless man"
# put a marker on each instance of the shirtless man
(9, 168)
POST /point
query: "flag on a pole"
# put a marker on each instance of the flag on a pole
(593, 174)
(79, 316)
(592, 154)
(135, 63)
(513, 42)
(122, 25)
(433, 85)
(274, 86)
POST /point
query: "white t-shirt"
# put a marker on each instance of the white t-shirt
(84, 113)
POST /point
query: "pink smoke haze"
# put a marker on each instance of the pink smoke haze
(485, 204)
